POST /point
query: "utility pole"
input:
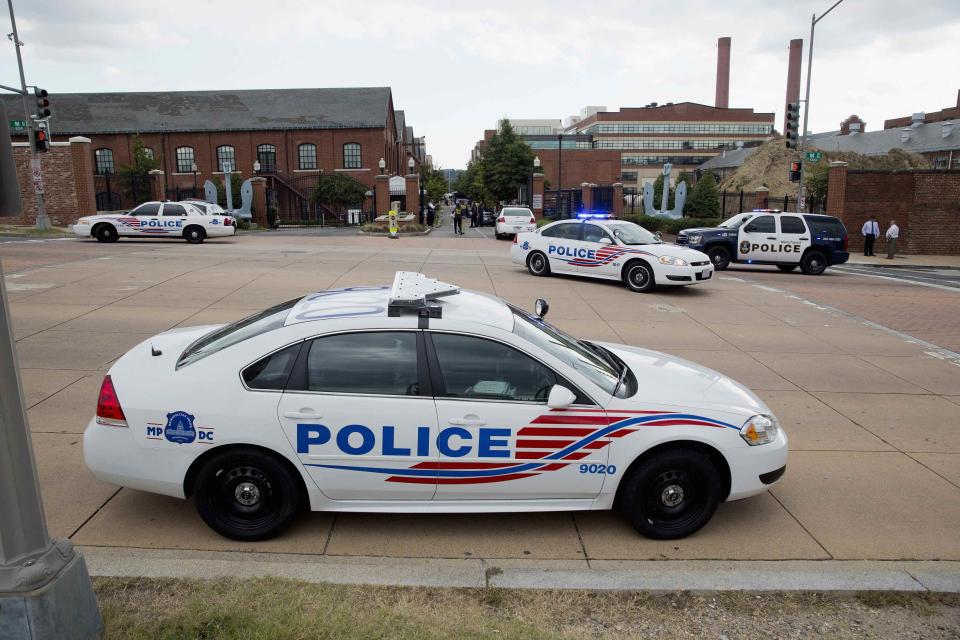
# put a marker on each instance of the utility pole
(43, 222)
(802, 192)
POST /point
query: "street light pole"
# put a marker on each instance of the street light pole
(806, 103)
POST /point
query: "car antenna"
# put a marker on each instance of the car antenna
(154, 351)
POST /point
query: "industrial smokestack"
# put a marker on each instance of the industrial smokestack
(722, 99)
(793, 76)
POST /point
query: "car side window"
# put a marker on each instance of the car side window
(170, 209)
(594, 233)
(378, 363)
(568, 231)
(475, 368)
(147, 209)
(792, 224)
(271, 373)
(762, 224)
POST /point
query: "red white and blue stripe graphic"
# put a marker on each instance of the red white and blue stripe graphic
(128, 221)
(605, 255)
(550, 442)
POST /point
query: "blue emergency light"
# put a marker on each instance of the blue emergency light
(588, 215)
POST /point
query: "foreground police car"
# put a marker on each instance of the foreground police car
(400, 400)
(609, 249)
(157, 219)
(767, 236)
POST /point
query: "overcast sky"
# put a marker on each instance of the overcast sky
(457, 67)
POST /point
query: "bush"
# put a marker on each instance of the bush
(673, 227)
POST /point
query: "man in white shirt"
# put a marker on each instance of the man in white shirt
(892, 234)
(870, 232)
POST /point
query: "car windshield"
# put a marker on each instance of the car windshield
(735, 222)
(231, 334)
(597, 366)
(630, 233)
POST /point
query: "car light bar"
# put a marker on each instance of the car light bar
(584, 215)
(412, 291)
(766, 211)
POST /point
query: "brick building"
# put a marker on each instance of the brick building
(293, 136)
(67, 178)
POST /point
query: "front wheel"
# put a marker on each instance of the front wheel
(720, 257)
(538, 265)
(639, 277)
(671, 495)
(106, 233)
(813, 263)
(246, 495)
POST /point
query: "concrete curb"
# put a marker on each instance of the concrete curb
(656, 576)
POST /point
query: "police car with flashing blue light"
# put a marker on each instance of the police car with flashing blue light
(595, 245)
(424, 398)
(771, 237)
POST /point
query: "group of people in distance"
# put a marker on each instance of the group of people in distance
(871, 231)
(473, 210)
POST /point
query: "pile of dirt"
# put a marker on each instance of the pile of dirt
(769, 165)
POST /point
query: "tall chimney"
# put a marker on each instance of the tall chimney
(722, 100)
(793, 76)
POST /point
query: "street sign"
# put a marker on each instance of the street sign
(538, 201)
(814, 156)
(18, 126)
(36, 176)
(392, 221)
(802, 203)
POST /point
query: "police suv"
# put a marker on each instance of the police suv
(424, 398)
(769, 236)
(595, 245)
(157, 220)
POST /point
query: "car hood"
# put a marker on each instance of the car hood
(696, 230)
(666, 249)
(666, 379)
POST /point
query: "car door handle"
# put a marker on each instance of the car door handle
(467, 422)
(771, 237)
(804, 238)
(303, 414)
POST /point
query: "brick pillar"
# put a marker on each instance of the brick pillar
(586, 196)
(762, 197)
(536, 197)
(259, 201)
(413, 192)
(382, 194)
(617, 199)
(836, 188)
(158, 187)
(82, 157)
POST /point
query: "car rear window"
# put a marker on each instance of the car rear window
(826, 226)
(231, 334)
(508, 211)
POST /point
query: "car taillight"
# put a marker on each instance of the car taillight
(533, 220)
(109, 411)
(228, 222)
(515, 238)
(501, 219)
(846, 242)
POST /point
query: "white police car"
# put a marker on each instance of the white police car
(611, 249)
(157, 219)
(513, 220)
(424, 398)
(771, 237)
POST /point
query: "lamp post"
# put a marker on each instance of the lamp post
(256, 167)
(382, 165)
(559, 161)
(193, 167)
(806, 103)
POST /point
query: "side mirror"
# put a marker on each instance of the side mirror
(560, 397)
(541, 307)
(606, 240)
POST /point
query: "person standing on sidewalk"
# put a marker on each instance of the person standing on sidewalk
(870, 232)
(892, 234)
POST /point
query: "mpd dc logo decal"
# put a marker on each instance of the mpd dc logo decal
(525, 245)
(745, 246)
(180, 428)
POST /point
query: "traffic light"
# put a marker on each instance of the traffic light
(793, 124)
(41, 137)
(43, 103)
(794, 172)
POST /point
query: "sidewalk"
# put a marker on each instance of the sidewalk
(880, 260)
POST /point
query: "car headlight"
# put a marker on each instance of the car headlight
(696, 239)
(677, 262)
(760, 429)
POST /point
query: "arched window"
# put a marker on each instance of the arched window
(267, 157)
(148, 152)
(307, 153)
(226, 155)
(351, 155)
(185, 159)
(104, 159)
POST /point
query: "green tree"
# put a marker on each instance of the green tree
(658, 194)
(817, 177)
(705, 199)
(506, 164)
(135, 178)
(433, 181)
(235, 181)
(338, 192)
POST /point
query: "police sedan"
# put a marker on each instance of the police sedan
(157, 220)
(599, 247)
(424, 398)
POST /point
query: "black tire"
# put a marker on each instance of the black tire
(246, 495)
(194, 234)
(720, 257)
(497, 236)
(638, 276)
(106, 233)
(538, 264)
(813, 263)
(786, 268)
(671, 495)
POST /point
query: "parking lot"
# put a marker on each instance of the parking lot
(873, 416)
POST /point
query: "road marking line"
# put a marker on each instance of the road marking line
(901, 280)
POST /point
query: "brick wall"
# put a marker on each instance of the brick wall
(67, 181)
(924, 202)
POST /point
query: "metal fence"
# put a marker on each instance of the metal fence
(560, 204)
(115, 192)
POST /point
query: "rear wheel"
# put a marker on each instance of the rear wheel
(720, 257)
(246, 495)
(194, 234)
(671, 495)
(786, 268)
(813, 263)
(106, 233)
(537, 264)
(639, 276)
